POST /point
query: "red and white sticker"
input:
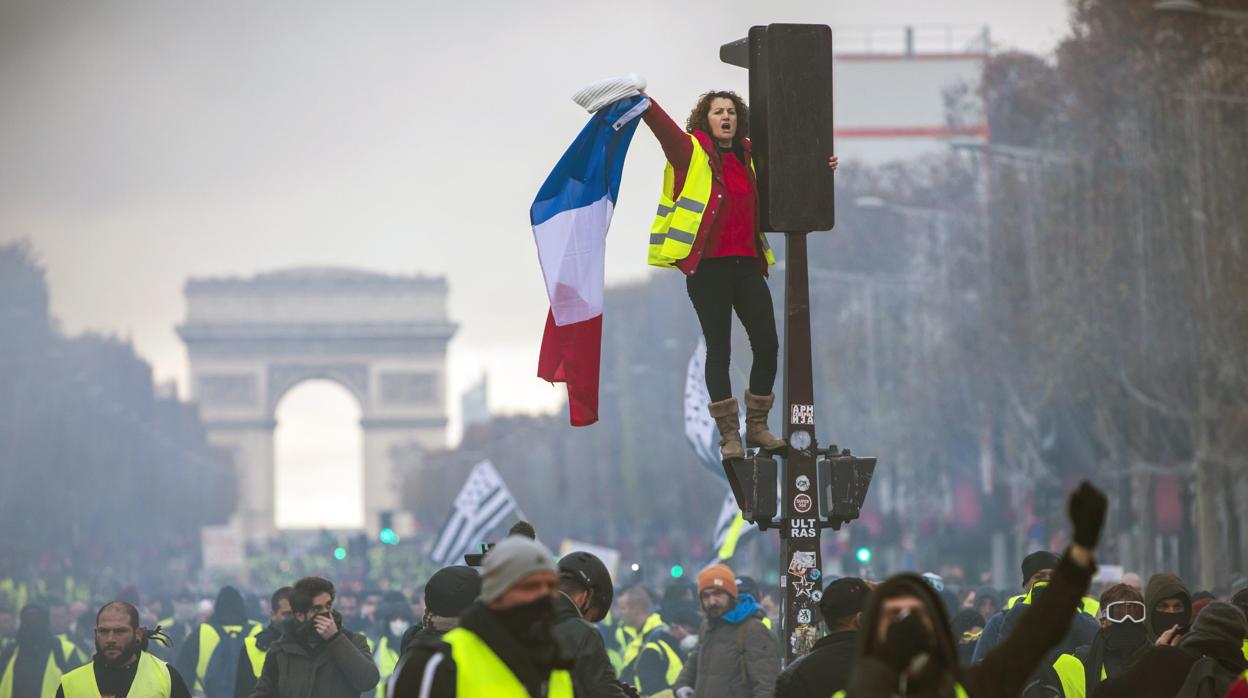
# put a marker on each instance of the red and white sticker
(802, 503)
(802, 414)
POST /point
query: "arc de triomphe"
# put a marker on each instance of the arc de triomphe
(382, 337)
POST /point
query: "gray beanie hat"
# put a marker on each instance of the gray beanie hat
(513, 559)
(1217, 623)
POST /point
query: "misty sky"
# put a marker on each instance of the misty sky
(145, 142)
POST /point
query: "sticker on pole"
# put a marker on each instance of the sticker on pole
(803, 528)
(801, 562)
(803, 588)
(802, 503)
(803, 615)
(802, 639)
(802, 415)
(802, 483)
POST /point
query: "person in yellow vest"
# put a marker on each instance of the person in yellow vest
(504, 646)
(908, 645)
(256, 647)
(33, 666)
(708, 227)
(1239, 600)
(60, 617)
(8, 627)
(651, 662)
(121, 667)
(209, 657)
(316, 657)
(393, 621)
(1119, 644)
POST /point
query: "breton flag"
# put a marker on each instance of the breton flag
(730, 528)
(479, 507)
(570, 217)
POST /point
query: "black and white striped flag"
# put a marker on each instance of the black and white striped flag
(479, 507)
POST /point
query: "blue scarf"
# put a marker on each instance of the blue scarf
(746, 607)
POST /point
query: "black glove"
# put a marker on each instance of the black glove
(906, 639)
(1087, 513)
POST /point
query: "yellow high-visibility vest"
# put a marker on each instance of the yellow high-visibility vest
(51, 676)
(255, 655)
(386, 658)
(957, 687)
(679, 216)
(151, 679)
(1088, 605)
(674, 666)
(639, 637)
(1070, 671)
(480, 672)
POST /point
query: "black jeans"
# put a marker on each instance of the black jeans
(721, 285)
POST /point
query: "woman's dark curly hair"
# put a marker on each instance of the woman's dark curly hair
(698, 120)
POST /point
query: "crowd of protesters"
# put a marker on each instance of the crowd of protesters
(528, 624)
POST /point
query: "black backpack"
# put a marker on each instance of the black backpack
(1207, 679)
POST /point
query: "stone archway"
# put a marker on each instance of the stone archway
(384, 338)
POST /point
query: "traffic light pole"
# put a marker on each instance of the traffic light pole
(800, 557)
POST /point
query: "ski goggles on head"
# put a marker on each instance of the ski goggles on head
(1123, 612)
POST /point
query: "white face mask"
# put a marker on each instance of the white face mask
(398, 626)
(689, 642)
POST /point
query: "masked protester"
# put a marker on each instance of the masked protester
(121, 665)
(393, 621)
(256, 647)
(736, 656)
(448, 593)
(1203, 662)
(1169, 605)
(968, 625)
(505, 644)
(907, 646)
(1118, 646)
(315, 656)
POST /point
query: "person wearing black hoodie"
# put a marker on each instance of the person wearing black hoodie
(1169, 605)
(907, 646)
(826, 668)
(228, 623)
(1205, 661)
(256, 647)
(1118, 645)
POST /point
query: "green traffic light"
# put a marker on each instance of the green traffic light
(388, 536)
(864, 555)
(678, 571)
(340, 553)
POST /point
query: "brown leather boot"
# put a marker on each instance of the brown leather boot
(728, 420)
(756, 409)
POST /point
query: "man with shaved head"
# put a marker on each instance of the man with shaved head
(121, 666)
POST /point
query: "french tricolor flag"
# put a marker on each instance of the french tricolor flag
(570, 217)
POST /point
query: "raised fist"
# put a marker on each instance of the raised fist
(1087, 513)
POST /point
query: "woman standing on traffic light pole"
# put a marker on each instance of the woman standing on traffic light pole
(707, 226)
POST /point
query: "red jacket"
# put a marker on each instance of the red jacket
(678, 150)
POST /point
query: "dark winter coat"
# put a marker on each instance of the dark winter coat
(341, 667)
(593, 676)
(822, 671)
(725, 651)
(517, 657)
(1004, 671)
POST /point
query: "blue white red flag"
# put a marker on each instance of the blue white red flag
(570, 217)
